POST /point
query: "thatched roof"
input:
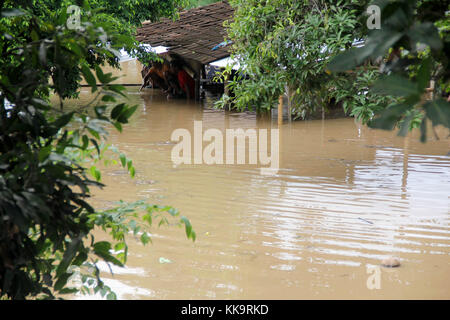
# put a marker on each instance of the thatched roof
(193, 35)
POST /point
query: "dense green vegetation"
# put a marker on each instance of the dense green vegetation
(117, 19)
(416, 35)
(48, 154)
(283, 46)
(286, 46)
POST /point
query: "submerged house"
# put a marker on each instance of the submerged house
(197, 37)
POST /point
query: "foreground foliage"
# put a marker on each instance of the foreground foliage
(416, 34)
(46, 221)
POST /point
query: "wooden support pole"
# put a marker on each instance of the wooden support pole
(289, 103)
(280, 131)
(280, 110)
(226, 90)
(197, 86)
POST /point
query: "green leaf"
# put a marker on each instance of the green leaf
(133, 224)
(395, 85)
(118, 126)
(89, 77)
(69, 254)
(97, 126)
(346, 60)
(115, 113)
(111, 296)
(188, 228)
(80, 258)
(44, 153)
(145, 238)
(173, 212)
(438, 111)
(377, 44)
(95, 143)
(117, 88)
(100, 111)
(100, 75)
(405, 125)
(63, 120)
(426, 33)
(108, 98)
(132, 172)
(85, 139)
(119, 246)
(68, 291)
(389, 117)
(102, 248)
(126, 113)
(96, 173)
(424, 74)
(94, 133)
(148, 217)
(123, 159)
(110, 258)
(130, 111)
(380, 41)
(62, 280)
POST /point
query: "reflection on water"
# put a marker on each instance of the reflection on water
(344, 198)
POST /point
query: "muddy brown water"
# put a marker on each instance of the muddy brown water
(345, 197)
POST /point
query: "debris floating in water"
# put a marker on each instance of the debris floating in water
(365, 220)
(390, 262)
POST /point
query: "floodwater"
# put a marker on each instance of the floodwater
(344, 198)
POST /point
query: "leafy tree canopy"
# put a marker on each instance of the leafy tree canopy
(117, 19)
(286, 46)
(416, 35)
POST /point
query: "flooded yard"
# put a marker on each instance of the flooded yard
(344, 198)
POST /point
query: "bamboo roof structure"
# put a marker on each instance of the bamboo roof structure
(193, 34)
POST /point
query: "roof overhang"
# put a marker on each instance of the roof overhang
(193, 35)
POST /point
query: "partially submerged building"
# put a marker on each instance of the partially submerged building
(197, 37)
